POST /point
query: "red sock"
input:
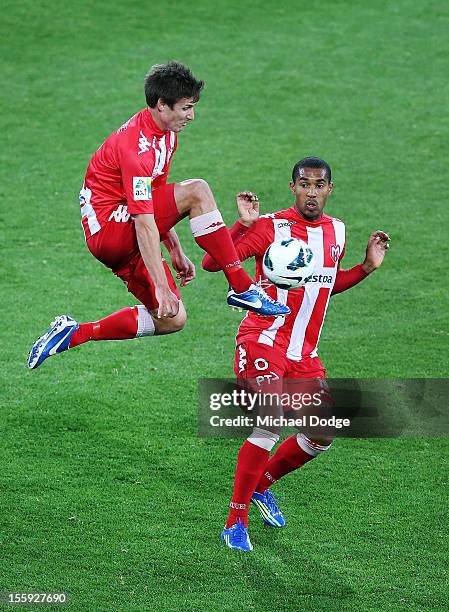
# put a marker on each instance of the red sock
(212, 235)
(120, 325)
(251, 463)
(289, 456)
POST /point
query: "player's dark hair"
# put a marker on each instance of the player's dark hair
(311, 162)
(170, 82)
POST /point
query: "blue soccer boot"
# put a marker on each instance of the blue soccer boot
(258, 301)
(55, 340)
(237, 537)
(268, 508)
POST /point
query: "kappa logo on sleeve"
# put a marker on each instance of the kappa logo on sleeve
(142, 187)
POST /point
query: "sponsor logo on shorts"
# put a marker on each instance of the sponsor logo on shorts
(142, 187)
(267, 379)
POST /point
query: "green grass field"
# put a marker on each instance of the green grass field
(107, 492)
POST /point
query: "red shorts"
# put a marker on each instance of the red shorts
(262, 368)
(115, 245)
(254, 360)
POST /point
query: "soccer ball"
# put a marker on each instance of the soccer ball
(288, 263)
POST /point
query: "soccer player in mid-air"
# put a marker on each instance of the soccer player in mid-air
(127, 208)
(286, 348)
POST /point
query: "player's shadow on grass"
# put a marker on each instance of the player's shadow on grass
(294, 581)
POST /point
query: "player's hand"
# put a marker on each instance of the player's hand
(168, 302)
(248, 207)
(378, 245)
(183, 266)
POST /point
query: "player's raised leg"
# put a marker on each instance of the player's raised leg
(125, 324)
(128, 323)
(195, 198)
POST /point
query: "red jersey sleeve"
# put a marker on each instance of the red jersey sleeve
(256, 240)
(137, 170)
(346, 279)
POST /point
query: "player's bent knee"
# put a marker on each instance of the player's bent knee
(194, 193)
(314, 446)
(179, 321)
(173, 324)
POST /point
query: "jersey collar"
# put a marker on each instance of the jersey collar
(155, 129)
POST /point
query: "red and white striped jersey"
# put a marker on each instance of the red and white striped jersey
(296, 335)
(121, 174)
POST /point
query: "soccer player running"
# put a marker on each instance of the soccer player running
(127, 208)
(286, 348)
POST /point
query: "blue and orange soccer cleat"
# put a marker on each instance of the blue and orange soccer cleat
(55, 340)
(237, 537)
(268, 508)
(258, 301)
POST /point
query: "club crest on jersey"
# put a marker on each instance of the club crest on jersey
(144, 144)
(142, 187)
(335, 252)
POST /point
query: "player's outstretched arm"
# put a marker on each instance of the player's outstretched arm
(149, 246)
(378, 244)
(181, 263)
